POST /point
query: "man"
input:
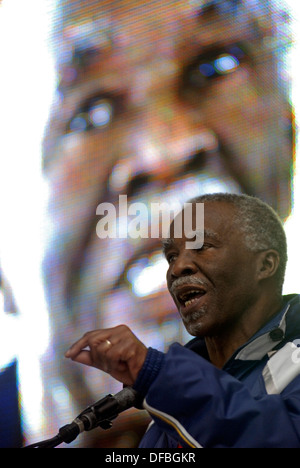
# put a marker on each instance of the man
(159, 101)
(237, 384)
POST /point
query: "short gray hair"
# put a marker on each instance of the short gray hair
(259, 223)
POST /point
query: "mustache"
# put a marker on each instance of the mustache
(186, 280)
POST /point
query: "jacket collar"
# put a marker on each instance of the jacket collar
(269, 336)
(282, 326)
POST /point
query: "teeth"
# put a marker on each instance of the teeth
(190, 292)
(189, 302)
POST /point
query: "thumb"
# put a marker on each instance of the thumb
(84, 357)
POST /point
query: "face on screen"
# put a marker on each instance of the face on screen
(158, 101)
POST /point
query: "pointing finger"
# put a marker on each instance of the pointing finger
(84, 357)
(87, 340)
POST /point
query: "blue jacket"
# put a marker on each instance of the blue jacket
(254, 401)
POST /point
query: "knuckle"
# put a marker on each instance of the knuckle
(123, 327)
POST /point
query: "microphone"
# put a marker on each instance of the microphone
(100, 414)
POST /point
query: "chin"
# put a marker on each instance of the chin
(202, 328)
(196, 329)
(195, 323)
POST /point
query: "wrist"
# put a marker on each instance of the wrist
(149, 371)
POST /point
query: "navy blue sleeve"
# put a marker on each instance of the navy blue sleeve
(201, 406)
(149, 371)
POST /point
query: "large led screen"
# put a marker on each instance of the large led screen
(123, 104)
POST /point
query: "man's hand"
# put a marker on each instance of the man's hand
(116, 351)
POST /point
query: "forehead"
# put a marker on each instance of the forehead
(220, 217)
(219, 223)
(115, 28)
(125, 16)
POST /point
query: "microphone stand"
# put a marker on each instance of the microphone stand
(49, 443)
(100, 414)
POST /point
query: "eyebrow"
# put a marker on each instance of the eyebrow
(222, 8)
(209, 234)
(168, 243)
(79, 63)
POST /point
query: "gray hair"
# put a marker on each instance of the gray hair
(260, 224)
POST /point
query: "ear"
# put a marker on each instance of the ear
(268, 263)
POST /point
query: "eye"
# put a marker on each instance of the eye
(213, 64)
(205, 246)
(97, 112)
(170, 257)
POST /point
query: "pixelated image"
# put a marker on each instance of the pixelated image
(155, 101)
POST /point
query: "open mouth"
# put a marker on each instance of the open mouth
(189, 295)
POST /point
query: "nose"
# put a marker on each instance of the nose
(163, 136)
(183, 265)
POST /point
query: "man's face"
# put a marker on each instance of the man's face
(213, 286)
(164, 101)
(168, 86)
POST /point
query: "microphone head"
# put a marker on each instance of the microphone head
(128, 397)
